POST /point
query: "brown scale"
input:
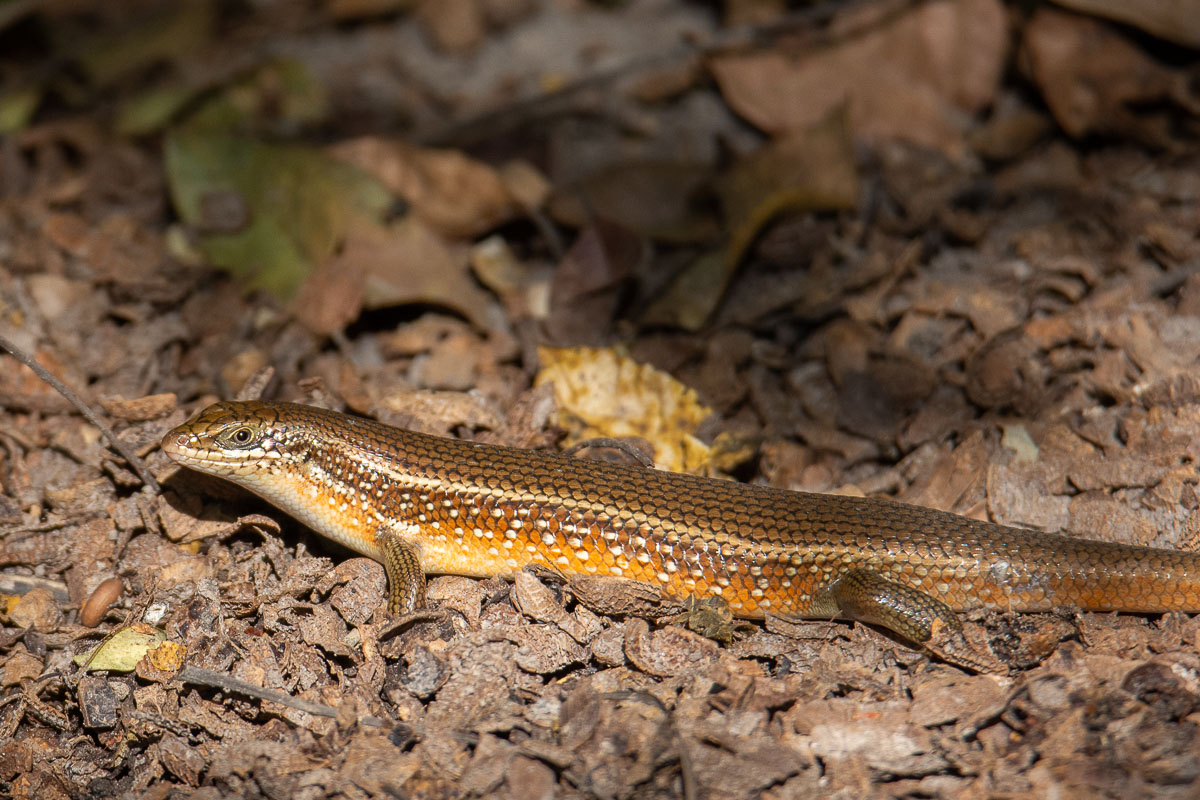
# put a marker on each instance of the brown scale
(466, 508)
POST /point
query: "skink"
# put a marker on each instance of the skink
(419, 503)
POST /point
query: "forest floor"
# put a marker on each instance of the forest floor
(943, 252)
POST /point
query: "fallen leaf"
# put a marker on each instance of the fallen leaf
(602, 393)
(408, 262)
(122, 651)
(657, 199)
(910, 79)
(1173, 20)
(692, 296)
(454, 194)
(331, 297)
(809, 170)
(289, 207)
(1095, 80)
(523, 286)
(589, 284)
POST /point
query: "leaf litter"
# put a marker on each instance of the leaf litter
(929, 280)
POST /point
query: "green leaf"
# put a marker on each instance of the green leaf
(123, 650)
(17, 107)
(285, 207)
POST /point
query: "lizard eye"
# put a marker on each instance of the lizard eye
(241, 436)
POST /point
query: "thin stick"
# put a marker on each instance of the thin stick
(229, 684)
(134, 462)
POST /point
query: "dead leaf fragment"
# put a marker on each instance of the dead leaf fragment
(454, 194)
(669, 652)
(546, 649)
(409, 262)
(20, 665)
(36, 610)
(589, 284)
(167, 657)
(331, 297)
(813, 169)
(97, 702)
(122, 651)
(656, 199)
(1173, 20)
(1095, 80)
(911, 79)
(140, 409)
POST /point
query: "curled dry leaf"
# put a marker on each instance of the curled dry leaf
(669, 652)
(97, 605)
(546, 649)
(807, 170)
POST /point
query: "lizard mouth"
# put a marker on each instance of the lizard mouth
(182, 448)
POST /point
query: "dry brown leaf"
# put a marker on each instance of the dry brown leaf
(911, 79)
(1090, 76)
(408, 262)
(437, 412)
(140, 409)
(809, 170)
(454, 25)
(589, 283)
(331, 297)
(523, 286)
(1174, 20)
(654, 198)
(456, 195)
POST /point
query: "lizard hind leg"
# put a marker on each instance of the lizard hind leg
(867, 596)
(405, 577)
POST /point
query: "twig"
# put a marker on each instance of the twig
(130, 457)
(228, 683)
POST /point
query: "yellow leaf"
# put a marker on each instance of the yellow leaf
(602, 393)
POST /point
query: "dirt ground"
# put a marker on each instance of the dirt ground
(944, 252)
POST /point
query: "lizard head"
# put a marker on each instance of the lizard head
(231, 439)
